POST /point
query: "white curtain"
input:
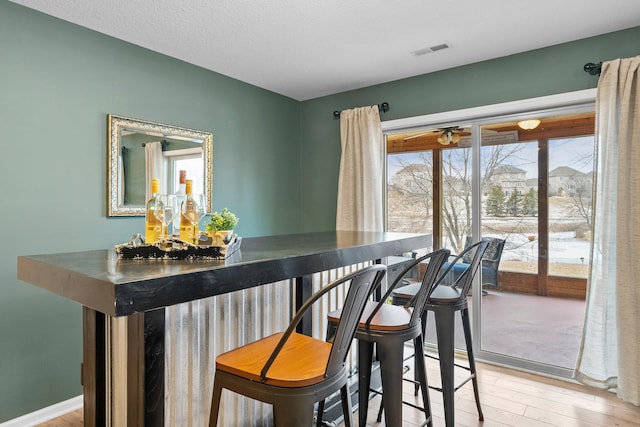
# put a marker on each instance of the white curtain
(361, 181)
(610, 351)
(153, 165)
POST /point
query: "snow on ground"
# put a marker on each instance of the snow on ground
(563, 248)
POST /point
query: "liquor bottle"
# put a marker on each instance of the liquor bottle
(153, 224)
(182, 184)
(180, 196)
(189, 216)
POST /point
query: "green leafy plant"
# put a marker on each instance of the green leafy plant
(219, 221)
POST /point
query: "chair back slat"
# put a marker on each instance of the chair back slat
(429, 280)
(463, 282)
(436, 260)
(362, 284)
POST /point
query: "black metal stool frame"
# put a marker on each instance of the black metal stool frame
(444, 301)
(390, 344)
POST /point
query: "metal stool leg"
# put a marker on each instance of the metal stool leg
(421, 374)
(215, 404)
(466, 325)
(365, 358)
(380, 410)
(390, 353)
(346, 405)
(320, 413)
(445, 333)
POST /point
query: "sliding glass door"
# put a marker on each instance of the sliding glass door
(536, 196)
(530, 189)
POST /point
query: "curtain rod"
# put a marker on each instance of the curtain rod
(384, 107)
(163, 143)
(592, 68)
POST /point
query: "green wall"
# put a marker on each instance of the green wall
(58, 82)
(532, 74)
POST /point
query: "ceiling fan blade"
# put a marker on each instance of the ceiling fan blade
(420, 135)
(466, 131)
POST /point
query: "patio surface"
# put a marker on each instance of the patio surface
(537, 328)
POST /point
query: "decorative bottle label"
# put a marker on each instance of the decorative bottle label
(153, 224)
(189, 216)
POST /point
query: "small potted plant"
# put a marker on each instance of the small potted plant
(221, 225)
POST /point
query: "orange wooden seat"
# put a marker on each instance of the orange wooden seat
(301, 362)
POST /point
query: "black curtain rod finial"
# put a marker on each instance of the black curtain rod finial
(164, 143)
(592, 68)
(384, 107)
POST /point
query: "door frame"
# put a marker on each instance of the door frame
(558, 104)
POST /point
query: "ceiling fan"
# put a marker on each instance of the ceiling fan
(449, 135)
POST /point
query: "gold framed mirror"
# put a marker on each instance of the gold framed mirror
(138, 149)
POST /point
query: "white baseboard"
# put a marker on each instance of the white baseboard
(45, 414)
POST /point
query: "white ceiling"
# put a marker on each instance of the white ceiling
(304, 49)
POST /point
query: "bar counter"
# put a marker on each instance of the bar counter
(125, 301)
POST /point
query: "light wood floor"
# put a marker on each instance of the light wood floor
(508, 397)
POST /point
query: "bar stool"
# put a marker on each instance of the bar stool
(444, 300)
(389, 327)
(292, 371)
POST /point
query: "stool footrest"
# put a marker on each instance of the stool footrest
(455, 364)
(456, 388)
(419, 408)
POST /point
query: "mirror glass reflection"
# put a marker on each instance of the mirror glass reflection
(141, 150)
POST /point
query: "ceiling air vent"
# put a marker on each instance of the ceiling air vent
(430, 49)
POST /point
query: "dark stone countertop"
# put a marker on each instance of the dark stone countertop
(99, 280)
